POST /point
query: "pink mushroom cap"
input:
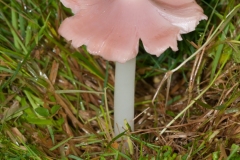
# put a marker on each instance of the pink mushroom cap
(113, 28)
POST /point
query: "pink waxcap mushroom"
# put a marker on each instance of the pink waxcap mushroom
(112, 28)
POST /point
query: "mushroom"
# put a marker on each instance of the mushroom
(112, 29)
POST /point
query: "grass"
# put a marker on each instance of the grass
(57, 102)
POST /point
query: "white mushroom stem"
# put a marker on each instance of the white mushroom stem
(124, 95)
